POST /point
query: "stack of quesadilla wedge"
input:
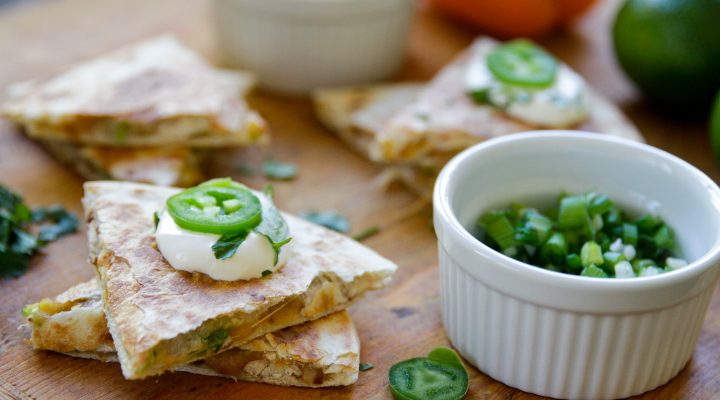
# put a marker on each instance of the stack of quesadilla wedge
(324, 352)
(145, 113)
(414, 129)
(288, 328)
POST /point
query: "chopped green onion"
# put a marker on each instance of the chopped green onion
(647, 223)
(582, 234)
(575, 240)
(499, 228)
(513, 252)
(593, 271)
(588, 229)
(650, 271)
(611, 258)
(573, 213)
(617, 245)
(629, 252)
(641, 264)
(603, 240)
(623, 269)
(675, 263)
(574, 264)
(591, 253)
(613, 218)
(555, 249)
(629, 234)
(534, 228)
(646, 247)
(664, 238)
(599, 204)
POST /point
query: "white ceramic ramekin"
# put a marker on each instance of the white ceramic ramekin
(562, 335)
(297, 45)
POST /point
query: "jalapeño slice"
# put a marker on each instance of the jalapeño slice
(521, 62)
(219, 206)
(439, 376)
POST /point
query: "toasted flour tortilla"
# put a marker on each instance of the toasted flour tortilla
(161, 318)
(156, 92)
(157, 165)
(167, 166)
(358, 113)
(443, 118)
(320, 353)
(414, 129)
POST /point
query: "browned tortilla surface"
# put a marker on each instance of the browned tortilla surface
(149, 303)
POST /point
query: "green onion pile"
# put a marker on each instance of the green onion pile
(585, 235)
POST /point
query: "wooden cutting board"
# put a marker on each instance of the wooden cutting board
(400, 322)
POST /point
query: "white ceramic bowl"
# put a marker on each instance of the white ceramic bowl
(298, 45)
(562, 335)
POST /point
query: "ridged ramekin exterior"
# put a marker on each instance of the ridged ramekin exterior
(563, 335)
(296, 46)
(566, 354)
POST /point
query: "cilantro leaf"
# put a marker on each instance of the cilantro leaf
(480, 96)
(328, 219)
(12, 207)
(17, 244)
(366, 366)
(266, 273)
(61, 222)
(5, 228)
(273, 226)
(24, 242)
(279, 171)
(245, 170)
(13, 265)
(227, 245)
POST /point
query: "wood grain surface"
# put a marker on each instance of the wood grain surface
(402, 321)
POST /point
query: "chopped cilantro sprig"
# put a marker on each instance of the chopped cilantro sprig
(17, 242)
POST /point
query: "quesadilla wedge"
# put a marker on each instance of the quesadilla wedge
(405, 124)
(155, 93)
(167, 166)
(444, 118)
(358, 113)
(159, 165)
(319, 353)
(161, 318)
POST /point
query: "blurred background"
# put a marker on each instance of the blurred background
(657, 59)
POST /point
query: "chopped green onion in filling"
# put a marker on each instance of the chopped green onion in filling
(585, 235)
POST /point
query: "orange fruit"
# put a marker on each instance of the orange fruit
(514, 18)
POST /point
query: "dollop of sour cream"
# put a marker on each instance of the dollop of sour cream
(563, 104)
(192, 251)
